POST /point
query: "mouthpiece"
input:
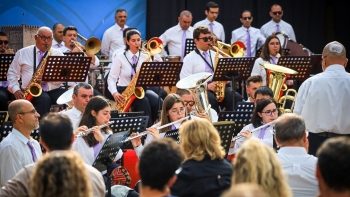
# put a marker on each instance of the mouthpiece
(46, 46)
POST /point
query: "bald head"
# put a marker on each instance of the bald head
(44, 29)
(185, 13)
(334, 53)
(185, 19)
(16, 107)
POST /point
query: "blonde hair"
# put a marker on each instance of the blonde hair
(257, 163)
(60, 174)
(245, 190)
(199, 137)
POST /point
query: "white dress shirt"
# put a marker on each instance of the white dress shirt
(22, 67)
(121, 70)
(74, 115)
(256, 39)
(267, 139)
(260, 70)
(55, 44)
(323, 101)
(15, 154)
(300, 169)
(173, 39)
(270, 27)
(112, 40)
(217, 28)
(86, 152)
(193, 63)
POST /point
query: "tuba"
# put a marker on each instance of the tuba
(132, 92)
(33, 88)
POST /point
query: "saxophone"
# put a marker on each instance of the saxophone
(132, 92)
(220, 85)
(34, 88)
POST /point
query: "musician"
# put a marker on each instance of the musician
(316, 96)
(57, 31)
(269, 55)
(253, 83)
(257, 163)
(247, 34)
(24, 65)
(262, 92)
(205, 171)
(5, 95)
(173, 109)
(264, 112)
(291, 137)
(19, 148)
(189, 102)
(202, 60)
(277, 25)
(212, 12)
(82, 94)
(113, 36)
(123, 71)
(56, 136)
(332, 170)
(157, 177)
(175, 37)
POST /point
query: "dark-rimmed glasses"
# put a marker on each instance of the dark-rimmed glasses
(191, 103)
(44, 38)
(279, 13)
(206, 39)
(4, 41)
(33, 111)
(245, 18)
(269, 112)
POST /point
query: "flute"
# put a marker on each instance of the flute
(83, 133)
(161, 127)
(256, 129)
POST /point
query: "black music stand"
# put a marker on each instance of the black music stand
(74, 54)
(301, 64)
(114, 114)
(233, 69)
(6, 128)
(316, 62)
(241, 119)
(245, 107)
(3, 116)
(189, 46)
(128, 114)
(159, 74)
(226, 130)
(108, 152)
(174, 134)
(5, 62)
(66, 68)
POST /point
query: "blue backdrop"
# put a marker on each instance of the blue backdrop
(91, 17)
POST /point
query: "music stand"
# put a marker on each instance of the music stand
(226, 130)
(174, 134)
(159, 74)
(108, 152)
(241, 119)
(189, 46)
(316, 62)
(6, 128)
(233, 69)
(301, 64)
(5, 62)
(128, 114)
(245, 107)
(66, 68)
(114, 114)
(74, 54)
(3, 116)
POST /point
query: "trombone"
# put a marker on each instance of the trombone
(153, 45)
(92, 45)
(237, 49)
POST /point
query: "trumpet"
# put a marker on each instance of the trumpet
(253, 130)
(161, 127)
(83, 133)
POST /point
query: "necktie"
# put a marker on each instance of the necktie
(274, 60)
(183, 44)
(32, 150)
(44, 85)
(249, 51)
(173, 127)
(262, 132)
(211, 27)
(207, 66)
(97, 149)
(277, 28)
(134, 59)
(59, 45)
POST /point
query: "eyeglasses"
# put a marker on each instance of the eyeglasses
(176, 111)
(247, 18)
(44, 38)
(191, 103)
(269, 112)
(33, 111)
(4, 41)
(206, 39)
(279, 13)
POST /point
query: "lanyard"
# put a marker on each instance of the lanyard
(133, 66)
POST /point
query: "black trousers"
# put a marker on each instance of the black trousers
(227, 102)
(316, 140)
(5, 96)
(43, 102)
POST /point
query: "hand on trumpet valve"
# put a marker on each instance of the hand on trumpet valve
(137, 141)
(80, 129)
